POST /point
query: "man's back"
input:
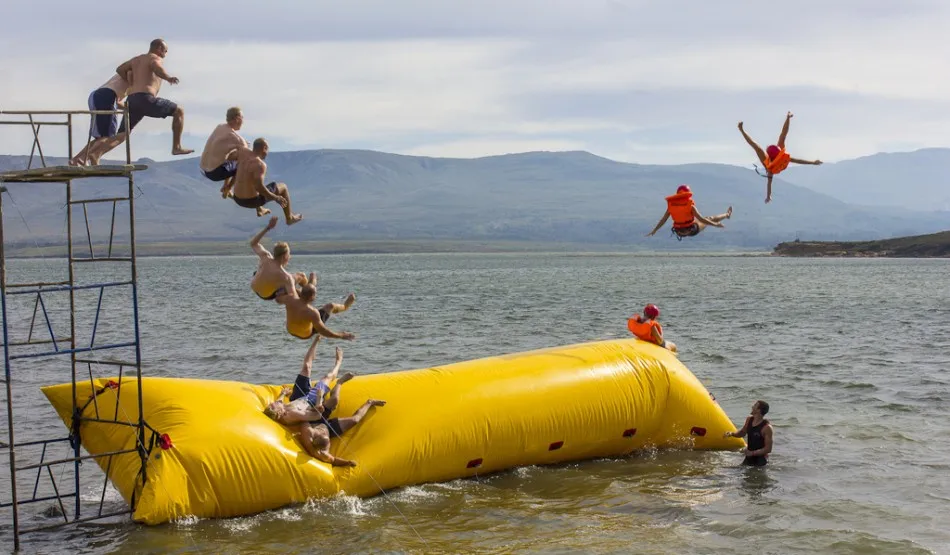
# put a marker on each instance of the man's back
(222, 140)
(250, 171)
(144, 79)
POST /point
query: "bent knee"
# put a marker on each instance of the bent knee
(179, 112)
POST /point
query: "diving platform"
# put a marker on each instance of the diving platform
(65, 318)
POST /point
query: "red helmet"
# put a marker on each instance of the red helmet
(651, 311)
(683, 189)
(772, 151)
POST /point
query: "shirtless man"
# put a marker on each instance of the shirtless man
(102, 127)
(271, 279)
(774, 158)
(225, 138)
(315, 438)
(147, 75)
(249, 189)
(304, 321)
(306, 402)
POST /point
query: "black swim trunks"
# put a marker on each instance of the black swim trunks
(259, 200)
(333, 425)
(222, 172)
(690, 231)
(147, 105)
(103, 125)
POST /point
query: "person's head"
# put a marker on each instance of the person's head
(282, 252)
(321, 438)
(308, 293)
(275, 410)
(158, 47)
(261, 147)
(683, 189)
(235, 117)
(651, 311)
(760, 407)
(772, 151)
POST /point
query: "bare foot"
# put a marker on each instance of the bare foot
(74, 162)
(294, 218)
(179, 151)
(375, 403)
(350, 299)
(729, 213)
(345, 378)
(92, 160)
(261, 211)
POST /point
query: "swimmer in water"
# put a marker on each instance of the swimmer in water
(759, 430)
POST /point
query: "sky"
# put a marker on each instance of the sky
(651, 82)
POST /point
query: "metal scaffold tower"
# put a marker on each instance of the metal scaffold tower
(35, 352)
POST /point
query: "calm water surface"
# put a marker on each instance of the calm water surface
(853, 356)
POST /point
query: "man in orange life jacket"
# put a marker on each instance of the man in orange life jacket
(759, 431)
(687, 221)
(774, 158)
(646, 328)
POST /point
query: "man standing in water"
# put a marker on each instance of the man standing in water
(249, 189)
(148, 72)
(271, 279)
(759, 431)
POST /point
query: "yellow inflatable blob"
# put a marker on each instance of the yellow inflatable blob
(223, 457)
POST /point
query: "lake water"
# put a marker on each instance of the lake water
(852, 355)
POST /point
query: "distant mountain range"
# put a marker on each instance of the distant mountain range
(572, 197)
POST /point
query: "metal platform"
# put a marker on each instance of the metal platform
(58, 174)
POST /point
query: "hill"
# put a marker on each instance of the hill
(569, 197)
(920, 246)
(918, 180)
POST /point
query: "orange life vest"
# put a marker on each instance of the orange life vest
(778, 164)
(644, 330)
(680, 207)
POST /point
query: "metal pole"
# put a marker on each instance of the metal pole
(143, 456)
(72, 324)
(69, 126)
(6, 364)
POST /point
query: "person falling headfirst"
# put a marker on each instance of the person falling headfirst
(774, 158)
(687, 221)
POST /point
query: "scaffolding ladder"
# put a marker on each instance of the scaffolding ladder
(30, 453)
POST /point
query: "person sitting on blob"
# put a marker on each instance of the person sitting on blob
(646, 328)
(687, 221)
(774, 158)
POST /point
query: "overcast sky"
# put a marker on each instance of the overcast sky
(640, 81)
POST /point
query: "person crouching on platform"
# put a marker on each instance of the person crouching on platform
(646, 328)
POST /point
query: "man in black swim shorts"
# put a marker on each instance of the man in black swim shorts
(310, 403)
(316, 437)
(249, 190)
(148, 72)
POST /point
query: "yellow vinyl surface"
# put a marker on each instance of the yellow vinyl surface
(228, 459)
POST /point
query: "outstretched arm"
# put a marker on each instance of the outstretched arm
(323, 330)
(807, 162)
(256, 240)
(741, 431)
(159, 69)
(666, 216)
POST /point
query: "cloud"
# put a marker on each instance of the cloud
(650, 82)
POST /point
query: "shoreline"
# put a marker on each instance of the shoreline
(373, 247)
(934, 245)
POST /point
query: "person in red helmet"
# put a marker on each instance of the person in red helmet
(774, 158)
(646, 328)
(687, 221)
